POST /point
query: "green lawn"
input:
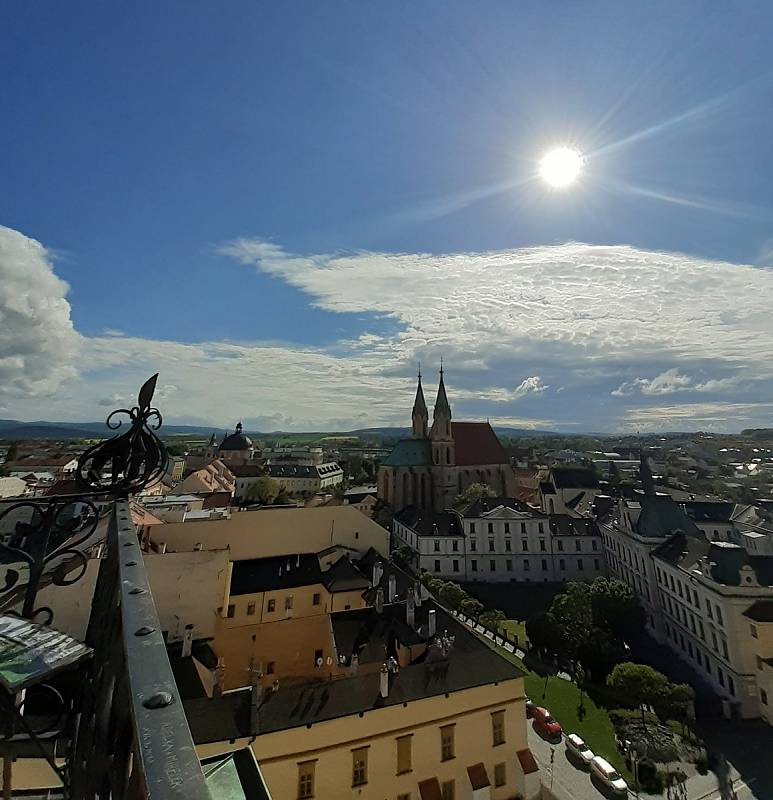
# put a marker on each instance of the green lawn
(562, 698)
(517, 627)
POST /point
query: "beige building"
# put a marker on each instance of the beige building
(278, 531)
(399, 701)
(214, 477)
(297, 479)
(12, 487)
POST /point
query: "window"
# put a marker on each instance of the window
(525, 545)
(447, 790)
(406, 796)
(507, 527)
(306, 779)
(447, 743)
(542, 545)
(270, 667)
(708, 609)
(472, 527)
(753, 631)
(724, 649)
(360, 766)
(508, 545)
(492, 565)
(523, 527)
(437, 546)
(288, 602)
(695, 599)
(703, 632)
(473, 545)
(251, 608)
(315, 599)
(497, 728)
(317, 657)
(579, 564)
(561, 564)
(231, 611)
(490, 527)
(544, 565)
(679, 589)
(764, 697)
(456, 565)
(595, 544)
(730, 686)
(455, 546)
(404, 754)
(491, 545)
(713, 641)
(721, 676)
(578, 545)
(560, 546)
(541, 527)
(596, 564)
(500, 774)
(474, 565)
(526, 565)
(509, 565)
(719, 615)
(437, 565)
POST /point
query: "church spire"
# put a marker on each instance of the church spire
(420, 415)
(442, 408)
(645, 475)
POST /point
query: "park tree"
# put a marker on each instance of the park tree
(265, 490)
(571, 609)
(600, 653)
(452, 595)
(492, 618)
(616, 609)
(675, 702)
(639, 684)
(404, 555)
(472, 493)
(544, 633)
(471, 607)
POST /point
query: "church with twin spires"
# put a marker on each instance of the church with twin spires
(439, 462)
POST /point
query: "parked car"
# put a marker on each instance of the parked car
(529, 708)
(544, 723)
(577, 747)
(608, 775)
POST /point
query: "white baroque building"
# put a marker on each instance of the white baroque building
(501, 539)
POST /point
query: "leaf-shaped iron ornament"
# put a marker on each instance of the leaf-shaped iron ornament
(131, 461)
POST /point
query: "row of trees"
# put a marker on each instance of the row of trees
(588, 624)
(454, 597)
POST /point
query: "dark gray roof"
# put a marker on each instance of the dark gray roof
(564, 525)
(236, 441)
(660, 516)
(708, 511)
(761, 611)
(574, 478)
(430, 523)
(234, 776)
(277, 572)
(344, 576)
(247, 470)
(483, 505)
(301, 471)
(470, 663)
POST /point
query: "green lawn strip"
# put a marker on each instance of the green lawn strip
(517, 628)
(562, 698)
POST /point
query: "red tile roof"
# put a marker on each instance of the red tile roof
(476, 443)
(528, 764)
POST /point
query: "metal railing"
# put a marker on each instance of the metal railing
(118, 729)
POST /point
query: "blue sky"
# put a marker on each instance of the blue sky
(251, 196)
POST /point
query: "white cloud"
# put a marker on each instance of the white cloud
(512, 326)
(37, 340)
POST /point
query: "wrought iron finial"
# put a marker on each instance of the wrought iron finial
(131, 461)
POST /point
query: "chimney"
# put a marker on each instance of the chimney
(217, 690)
(377, 572)
(379, 600)
(392, 589)
(432, 622)
(355, 663)
(410, 609)
(187, 641)
(162, 547)
(197, 546)
(417, 593)
(384, 682)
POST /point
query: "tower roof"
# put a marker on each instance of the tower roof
(236, 441)
(442, 408)
(419, 406)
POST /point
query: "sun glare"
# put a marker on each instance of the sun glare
(561, 167)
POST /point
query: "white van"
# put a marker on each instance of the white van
(608, 775)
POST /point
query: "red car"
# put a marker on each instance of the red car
(545, 725)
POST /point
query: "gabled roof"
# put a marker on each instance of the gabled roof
(477, 444)
(574, 478)
(344, 576)
(509, 507)
(410, 453)
(661, 516)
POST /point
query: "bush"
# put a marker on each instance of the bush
(622, 717)
(452, 595)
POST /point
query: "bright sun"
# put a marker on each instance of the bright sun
(561, 167)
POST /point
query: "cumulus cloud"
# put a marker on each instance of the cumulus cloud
(568, 336)
(37, 341)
